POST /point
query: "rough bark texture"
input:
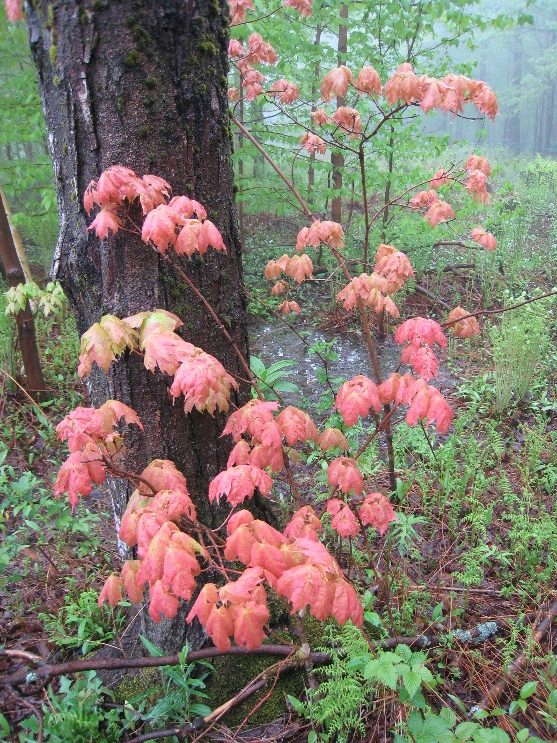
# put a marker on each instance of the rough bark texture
(142, 83)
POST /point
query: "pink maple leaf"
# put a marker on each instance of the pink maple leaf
(357, 397)
(344, 522)
(344, 474)
(238, 483)
(377, 511)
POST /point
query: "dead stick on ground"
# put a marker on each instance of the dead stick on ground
(34, 710)
(46, 672)
(516, 666)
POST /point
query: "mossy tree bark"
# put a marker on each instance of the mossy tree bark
(143, 83)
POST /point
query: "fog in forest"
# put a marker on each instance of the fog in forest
(520, 64)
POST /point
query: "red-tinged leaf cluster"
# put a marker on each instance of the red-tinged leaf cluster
(450, 93)
(329, 233)
(91, 426)
(478, 170)
(461, 324)
(304, 7)
(285, 91)
(238, 10)
(343, 473)
(439, 211)
(348, 120)
(237, 609)
(204, 383)
(298, 267)
(394, 266)
(426, 402)
(92, 437)
(368, 82)
(429, 404)
(119, 186)
(258, 51)
(478, 162)
(167, 556)
(200, 377)
(78, 473)
(295, 425)
(336, 82)
(359, 396)
(392, 271)
(295, 565)
(256, 420)
(476, 185)
(377, 511)
(403, 86)
(483, 238)
(344, 521)
(440, 178)
(421, 330)
(166, 225)
(298, 568)
(369, 290)
(238, 483)
(103, 342)
(312, 143)
(304, 524)
(289, 307)
(421, 335)
(168, 564)
(14, 11)
(332, 438)
(320, 117)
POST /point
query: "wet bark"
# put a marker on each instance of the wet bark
(142, 83)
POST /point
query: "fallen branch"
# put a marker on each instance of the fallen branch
(436, 300)
(46, 672)
(518, 664)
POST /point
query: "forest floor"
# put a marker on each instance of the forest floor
(471, 564)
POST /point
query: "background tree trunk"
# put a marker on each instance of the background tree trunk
(337, 158)
(143, 84)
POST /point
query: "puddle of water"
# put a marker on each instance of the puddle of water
(271, 340)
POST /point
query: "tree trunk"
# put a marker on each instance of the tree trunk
(314, 89)
(143, 83)
(337, 158)
(24, 319)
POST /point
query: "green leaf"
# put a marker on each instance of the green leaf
(528, 689)
(518, 704)
(4, 727)
(153, 649)
(384, 669)
(431, 729)
(449, 716)
(437, 612)
(298, 706)
(465, 730)
(412, 682)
